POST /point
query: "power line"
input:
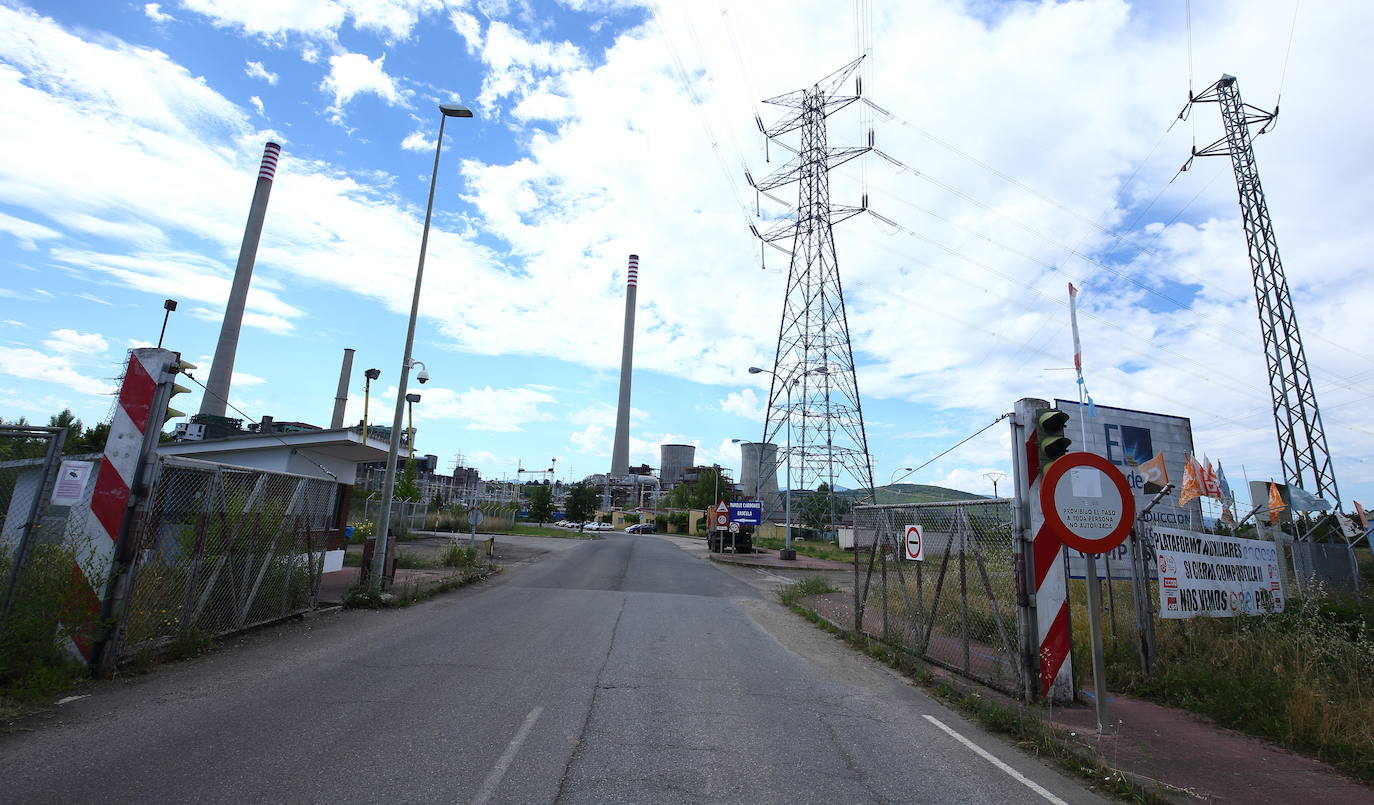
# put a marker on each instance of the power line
(294, 449)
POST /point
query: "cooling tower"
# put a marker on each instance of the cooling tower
(761, 459)
(674, 459)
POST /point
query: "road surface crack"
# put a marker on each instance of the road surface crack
(597, 687)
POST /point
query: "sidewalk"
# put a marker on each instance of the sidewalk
(1191, 758)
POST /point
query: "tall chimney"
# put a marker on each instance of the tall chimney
(341, 396)
(620, 452)
(222, 370)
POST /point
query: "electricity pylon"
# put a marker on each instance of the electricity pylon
(1297, 420)
(814, 395)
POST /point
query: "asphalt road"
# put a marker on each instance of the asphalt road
(619, 670)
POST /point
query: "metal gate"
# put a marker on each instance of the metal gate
(219, 549)
(957, 608)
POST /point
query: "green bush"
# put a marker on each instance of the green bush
(33, 659)
(661, 523)
(631, 519)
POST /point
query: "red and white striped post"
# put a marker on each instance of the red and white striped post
(1045, 628)
(130, 448)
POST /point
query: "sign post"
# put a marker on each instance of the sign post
(1087, 502)
(474, 519)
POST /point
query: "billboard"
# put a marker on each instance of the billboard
(1216, 576)
(1129, 438)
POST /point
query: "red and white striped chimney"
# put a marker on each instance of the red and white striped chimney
(620, 449)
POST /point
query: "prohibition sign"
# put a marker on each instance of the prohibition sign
(1093, 524)
(915, 543)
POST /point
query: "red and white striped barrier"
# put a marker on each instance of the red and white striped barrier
(634, 271)
(1051, 590)
(124, 449)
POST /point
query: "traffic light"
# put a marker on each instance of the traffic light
(1049, 434)
(177, 388)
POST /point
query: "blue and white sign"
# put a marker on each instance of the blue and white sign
(748, 512)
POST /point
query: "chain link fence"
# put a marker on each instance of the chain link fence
(957, 607)
(219, 549)
(406, 516)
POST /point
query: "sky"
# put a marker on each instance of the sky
(1035, 144)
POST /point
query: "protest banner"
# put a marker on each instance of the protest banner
(1214, 576)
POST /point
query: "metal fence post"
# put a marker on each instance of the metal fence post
(56, 440)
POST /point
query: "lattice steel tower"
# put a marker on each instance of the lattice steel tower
(813, 401)
(1302, 442)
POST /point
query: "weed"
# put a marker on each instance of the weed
(812, 585)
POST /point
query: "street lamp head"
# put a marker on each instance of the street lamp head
(454, 110)
(753, 370)
(412, 398)
(372, 374)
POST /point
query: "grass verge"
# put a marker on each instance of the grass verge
(523, 530)
(1026, 729)
(818, 550)
(403, 595)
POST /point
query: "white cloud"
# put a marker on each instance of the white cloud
(244, 379)
(34, 365)
(353, 74)
(469, 28)
(417, 141)
(26, 232)
(90, 297)
(745, 403)
(262, 321)
(392, 19)
(71, 342)
(254, 69)
(488, 409)
(257, 104)
(154, 12)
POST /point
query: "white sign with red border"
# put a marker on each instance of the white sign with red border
(1087, 503)
(915, 544)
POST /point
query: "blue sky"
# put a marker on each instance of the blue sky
(1036, 133)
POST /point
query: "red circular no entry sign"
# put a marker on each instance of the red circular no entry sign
(1086, 514)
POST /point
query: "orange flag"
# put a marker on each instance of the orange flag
(1364, 518)
(1276, 505)
(1192, 487)
(1156, 475)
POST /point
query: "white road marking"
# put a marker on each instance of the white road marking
(774, 576)
(72, 698)
(988, 756)
(503, 764)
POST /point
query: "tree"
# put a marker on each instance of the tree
(815, 508)
(709, 488)
(581, 503)
(405, 488)
(541, 503)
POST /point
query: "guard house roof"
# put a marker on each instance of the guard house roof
(332, 454)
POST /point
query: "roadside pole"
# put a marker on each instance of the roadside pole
(1087, 502)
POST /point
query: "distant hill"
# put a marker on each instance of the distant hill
(912, 493)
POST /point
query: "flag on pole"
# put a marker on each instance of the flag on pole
(1276, 505)
(1304, 501)
(1192, 487)
(1210, 486)
(1364, 518)
(1226, 516)
(1083, 396)
(1155, 473)
(1226, 495)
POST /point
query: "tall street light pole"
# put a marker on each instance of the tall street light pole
(792, 380)
(446, 111)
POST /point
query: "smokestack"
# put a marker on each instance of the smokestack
(217, 386)
(341, 396)
(620, 453)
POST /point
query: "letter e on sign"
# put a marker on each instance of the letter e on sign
(915, 544)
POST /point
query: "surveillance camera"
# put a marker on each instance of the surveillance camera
(423, 376)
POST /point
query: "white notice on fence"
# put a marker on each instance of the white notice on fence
(70, 487)
(1215, 576)
(1086, 481)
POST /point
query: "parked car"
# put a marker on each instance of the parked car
(640, 528)
(601, 526)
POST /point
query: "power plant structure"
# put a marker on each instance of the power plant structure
(674, 459)
(759, 460)
(620, 451)
(216, 397)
